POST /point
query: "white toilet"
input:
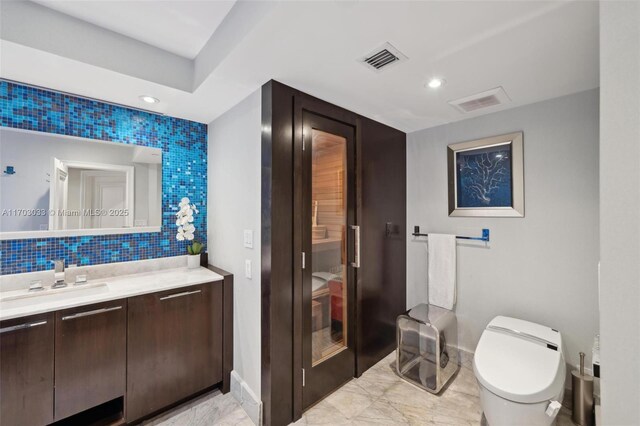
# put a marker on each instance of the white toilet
(521, 371)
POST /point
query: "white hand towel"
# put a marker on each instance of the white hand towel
(442, 270)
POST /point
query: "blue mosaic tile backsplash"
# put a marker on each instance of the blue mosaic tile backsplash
(184, 173)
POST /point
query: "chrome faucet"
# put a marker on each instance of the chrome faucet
(59, 281)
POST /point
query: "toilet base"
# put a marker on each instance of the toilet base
(501, 412)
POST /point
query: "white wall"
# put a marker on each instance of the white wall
(542, 267)
(620, 211)
(233, 206)
(39, 27)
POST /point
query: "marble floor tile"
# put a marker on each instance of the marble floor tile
(392, 401)
(237, 417)
(564, 418)
(350, 400)
(324, 413)
(376, 382)
(212, 408)
(465, 382)
(378, 397)
(381, 412)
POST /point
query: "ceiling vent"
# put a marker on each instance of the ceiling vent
(481, 100)
(383, 58)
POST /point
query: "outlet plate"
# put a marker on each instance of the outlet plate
(247, 268)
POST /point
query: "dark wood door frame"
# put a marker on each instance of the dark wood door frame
(331, 373)
(302, 103)
(276, 254)
(281, 272)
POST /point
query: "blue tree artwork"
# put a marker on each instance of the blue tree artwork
(484, 177)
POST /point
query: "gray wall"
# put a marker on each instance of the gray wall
(620, 211)
(542, 267)
(233, 206)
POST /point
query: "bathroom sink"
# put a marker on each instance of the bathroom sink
(20, 298)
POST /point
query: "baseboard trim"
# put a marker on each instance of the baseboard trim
(247, 399)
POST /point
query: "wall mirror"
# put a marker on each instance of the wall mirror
(55, 185)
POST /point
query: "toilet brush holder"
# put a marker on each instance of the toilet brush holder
(582, 385)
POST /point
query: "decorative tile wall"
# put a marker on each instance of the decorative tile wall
(184, 173)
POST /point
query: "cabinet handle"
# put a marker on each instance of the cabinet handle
(21, 326)
(184, 293)
(356, 260)
(89, 313)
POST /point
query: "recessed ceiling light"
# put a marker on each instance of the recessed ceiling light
(149, 99)
(434, 83)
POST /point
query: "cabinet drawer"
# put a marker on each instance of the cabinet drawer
(26, 371)
(90, 356)
(174, 346)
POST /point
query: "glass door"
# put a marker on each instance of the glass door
(329, 238)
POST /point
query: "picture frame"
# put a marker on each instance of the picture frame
(486, 177)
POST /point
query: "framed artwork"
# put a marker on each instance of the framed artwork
(486, 177)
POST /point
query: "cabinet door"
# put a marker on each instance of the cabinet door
(174, 346)
(382, 286)
(26, 371)
(90, 356)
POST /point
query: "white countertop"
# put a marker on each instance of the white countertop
(118, 287)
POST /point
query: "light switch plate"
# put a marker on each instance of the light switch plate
(247, 268)
(248, 238)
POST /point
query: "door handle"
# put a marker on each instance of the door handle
(184, 293)
(356, 255)
(21, 326)
(89, 313)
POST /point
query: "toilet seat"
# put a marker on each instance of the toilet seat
(520, 361)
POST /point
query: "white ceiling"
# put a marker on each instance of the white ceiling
(179, 27)
(535, 50)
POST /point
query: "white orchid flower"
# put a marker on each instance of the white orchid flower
(185, 219)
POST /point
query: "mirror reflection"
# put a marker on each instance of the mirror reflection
(54, 182)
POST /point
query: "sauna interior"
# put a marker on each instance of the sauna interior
(328, 218)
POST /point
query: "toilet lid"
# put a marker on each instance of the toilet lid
(516, 360)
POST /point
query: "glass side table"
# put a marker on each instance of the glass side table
(427, 354)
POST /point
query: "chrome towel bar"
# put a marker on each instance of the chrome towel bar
(485, 235)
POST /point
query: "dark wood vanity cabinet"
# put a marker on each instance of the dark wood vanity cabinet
(174, 346)
(116, 361)
(26, 371)
(90, 356)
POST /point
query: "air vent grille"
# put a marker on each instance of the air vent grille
(481, 100)
(475, 104)
(383, 57)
